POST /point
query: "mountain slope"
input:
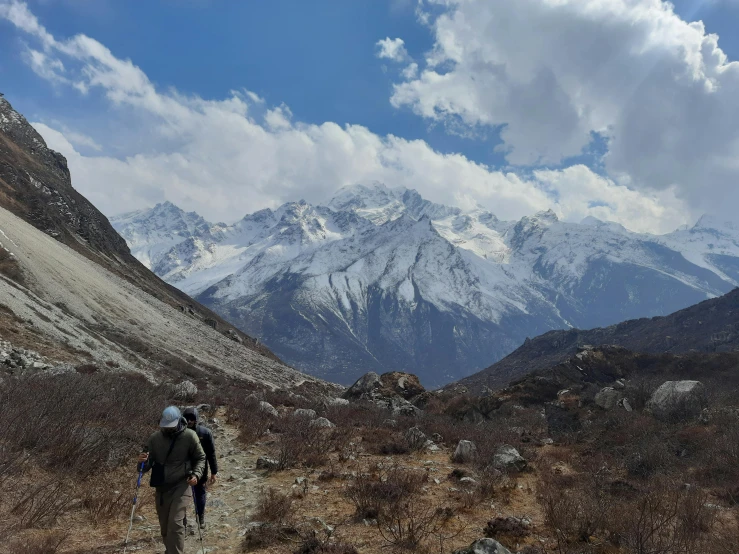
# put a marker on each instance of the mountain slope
(383, 279)
(70, 289)
(710, 326)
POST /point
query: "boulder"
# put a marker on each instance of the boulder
(186, 390)
(465, 452)
(307, 413)
(268, 408)
(608, 398)
(405, 385)
(484, 546)
(364, 387)
(322, 422)
(507, 458)
(678, 398)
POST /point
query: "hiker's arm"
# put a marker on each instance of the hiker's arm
(145, 457)
(209, 446)
(197, 457)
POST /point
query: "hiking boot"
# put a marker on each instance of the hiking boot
(202, 521)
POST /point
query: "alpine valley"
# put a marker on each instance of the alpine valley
(380, 279)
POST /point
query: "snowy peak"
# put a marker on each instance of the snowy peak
(379, 204)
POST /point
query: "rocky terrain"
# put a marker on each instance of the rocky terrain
(382, 279)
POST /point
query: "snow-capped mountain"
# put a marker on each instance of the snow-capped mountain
(382, 279)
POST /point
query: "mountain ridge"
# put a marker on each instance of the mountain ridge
(506, 280)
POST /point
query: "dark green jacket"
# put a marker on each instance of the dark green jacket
(187, 456)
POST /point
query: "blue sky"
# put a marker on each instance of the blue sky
(319, 60)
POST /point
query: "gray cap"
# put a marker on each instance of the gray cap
(170, 417)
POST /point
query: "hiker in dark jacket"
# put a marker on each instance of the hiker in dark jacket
(177, 462)
(209, 447)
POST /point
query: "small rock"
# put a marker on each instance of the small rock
(268, 408)
(241, 498)
(508, 458)
(322, 422)
(338, 402)
(186, 390)
(465, 452)
(484, 546)
(608, 398)
(267, 463)
(307, 413)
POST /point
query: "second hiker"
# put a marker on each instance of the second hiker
(209, 447)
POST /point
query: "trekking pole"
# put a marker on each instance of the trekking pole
(135, 497)
(197, 521)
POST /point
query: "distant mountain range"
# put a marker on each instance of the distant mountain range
(382, 279)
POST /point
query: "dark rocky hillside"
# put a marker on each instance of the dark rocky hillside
(35, 185)
(710, 326)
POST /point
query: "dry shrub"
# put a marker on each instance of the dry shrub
(83, 423)
(411, 524)
(264, 535)
(251, 421)
(304, 444)
(102, 504)
(380, 490)
(273, 507)
(667, 519)
(314, 545)
(46, 543)
(41, 505)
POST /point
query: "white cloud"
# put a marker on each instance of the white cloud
(551, 72)
(392, 49)
(225, 158)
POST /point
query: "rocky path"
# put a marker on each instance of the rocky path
(230, 501)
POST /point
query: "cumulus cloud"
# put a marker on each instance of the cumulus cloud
(550, 73)
(225, 158)
(392, 49)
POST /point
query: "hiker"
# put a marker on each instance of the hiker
(209, 447)
(177, 462)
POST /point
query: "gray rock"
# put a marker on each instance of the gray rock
(608, 398)
(267, 463)
(307, 413)
(364, 386)
(465, 452)
(415, 438)
(338, 402)
(507, 458)
(268, 408)
(686, 398)
(484, 546)
(322, 422)
(186, 390)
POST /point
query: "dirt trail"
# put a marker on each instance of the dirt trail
(230, 502)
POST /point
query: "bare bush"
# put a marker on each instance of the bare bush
(304, 444)
(273, 507)
(102, 504)
(41, 505)
(46, 543)
(380, 490)
(411, 523)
